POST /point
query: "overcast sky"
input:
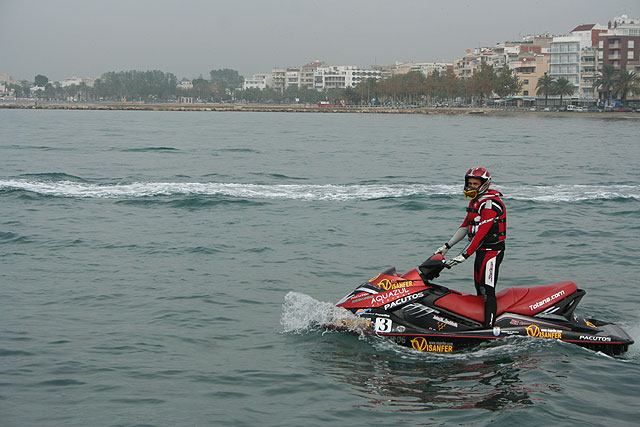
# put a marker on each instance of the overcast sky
(65, 38)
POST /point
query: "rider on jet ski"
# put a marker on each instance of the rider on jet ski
(485, 225)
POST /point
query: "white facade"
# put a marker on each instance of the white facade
(278, 76)
(185, 84)
(292, 78)
(77, 81)
(342, 76)
(574, 58)
(258, 81)
(466, 67)
(427, 68)
(565, 58)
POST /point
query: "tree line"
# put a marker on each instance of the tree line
(136, 85)
(413, 88)
(617, 83)
(610, 82)
(224, 85)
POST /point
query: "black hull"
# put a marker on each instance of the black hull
(611, 339)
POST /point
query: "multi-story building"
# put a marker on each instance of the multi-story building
(6, 78)
(504, 54)
(427, 68)
(278, 76)
(185, 85)
(466, 67)
(292, 78)
(565, 59)
(529, 68)
(307, 74)
(258, 81)
(77, 81)
(620, 45)
(573, 57)
(588, 72)
(330, 78)
(343, 76)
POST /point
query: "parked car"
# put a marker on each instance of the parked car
(595, 109)
(622, 110)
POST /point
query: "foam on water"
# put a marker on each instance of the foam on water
(302, 313)
(326, 192)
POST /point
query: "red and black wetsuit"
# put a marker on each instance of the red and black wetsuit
(486, 225)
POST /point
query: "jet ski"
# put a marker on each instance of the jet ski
(413, 311)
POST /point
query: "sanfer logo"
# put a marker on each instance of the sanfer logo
(419, 343)
(387, 285)
(533, 331)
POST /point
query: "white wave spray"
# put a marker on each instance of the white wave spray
(311, 192)
(302, 313)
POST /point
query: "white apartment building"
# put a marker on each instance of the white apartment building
(77, 81)
(278, 77)
(588, 72)
(427, 68)
(342, 76)
(574, 58)
(258, 81)
(565, 59)
(466, 67)
(185, 84)
(292, 78)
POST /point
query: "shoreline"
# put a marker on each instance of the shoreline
(303, 108)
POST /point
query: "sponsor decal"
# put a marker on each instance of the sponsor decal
(362, 311)
(403, 300)
(590, 338)
(389, 296)
(401, 329)
(535, 331)
(383, 324)
(387, 284)
(361, 297)
(445, 321)
(496, 331)
(441, 326)
(589, 324)
(421, 344)
(518, 322)
(546, 300)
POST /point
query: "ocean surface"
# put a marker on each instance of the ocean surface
(170, 268)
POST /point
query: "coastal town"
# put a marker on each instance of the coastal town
(594, 67)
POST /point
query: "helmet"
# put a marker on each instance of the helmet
(483, 175)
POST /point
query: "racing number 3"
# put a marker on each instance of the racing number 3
(383, 324)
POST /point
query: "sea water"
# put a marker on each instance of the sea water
(171, 268)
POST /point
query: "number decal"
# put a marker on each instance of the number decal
(383, 324)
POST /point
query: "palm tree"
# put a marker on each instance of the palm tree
(606, 80)
(545, 87)
(626, 82)
(562, 86)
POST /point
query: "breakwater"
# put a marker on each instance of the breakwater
(303, 108)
